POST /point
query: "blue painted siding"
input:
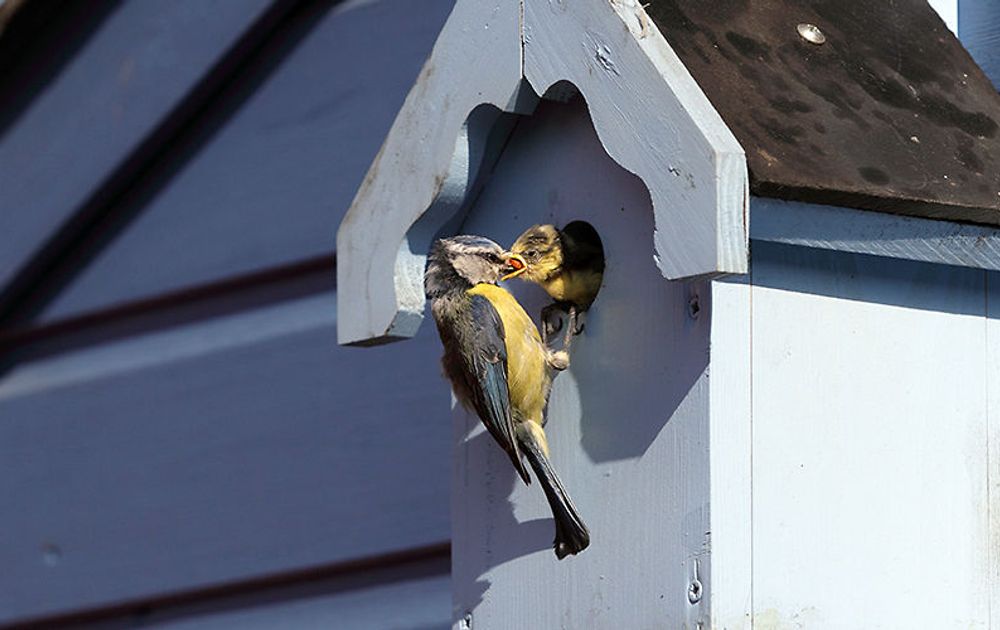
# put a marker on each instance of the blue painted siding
(175, 415)
(134, 69)
(269, 185)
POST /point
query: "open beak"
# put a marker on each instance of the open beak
(514, 266)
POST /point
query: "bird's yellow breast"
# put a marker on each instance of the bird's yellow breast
(578, 287)
(528, 377)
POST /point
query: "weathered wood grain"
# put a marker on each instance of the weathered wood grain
(235, 447)
(875, 233)
(269, 186)
(870, 465)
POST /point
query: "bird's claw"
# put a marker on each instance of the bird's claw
(551, 321)
(559, 360)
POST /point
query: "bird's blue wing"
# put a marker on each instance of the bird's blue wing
(488, 354)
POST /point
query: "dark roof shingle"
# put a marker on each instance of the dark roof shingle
(890, 113)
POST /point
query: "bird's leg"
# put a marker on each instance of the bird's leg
(571, 330)
(550, 325)
(578, 321)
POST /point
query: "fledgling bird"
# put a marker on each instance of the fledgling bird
(568, 264)
(498, 365)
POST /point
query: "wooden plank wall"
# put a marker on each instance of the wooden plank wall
(874, 393)
(182, 442)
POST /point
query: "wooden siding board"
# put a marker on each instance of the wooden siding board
(413, 604)
(979, 30)
(875, 233)
(993, 437)
(869, 442)
(890, 114)
(270, 186)
(392, 593)
(216, 451)
(730, 405)
(139, 64)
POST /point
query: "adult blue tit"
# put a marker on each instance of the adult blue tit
(498, 365)
(567, 263)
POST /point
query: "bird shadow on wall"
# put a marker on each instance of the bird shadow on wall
(633, 371)
(639, 365)
(641, 353)
(499, 536)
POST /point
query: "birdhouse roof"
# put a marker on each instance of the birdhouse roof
(888, 113)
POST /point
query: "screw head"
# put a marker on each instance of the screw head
(811, 33)
(694, 591)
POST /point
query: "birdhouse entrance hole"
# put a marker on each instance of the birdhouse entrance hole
(541, 169)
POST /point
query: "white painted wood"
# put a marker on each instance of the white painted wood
(875, 233)
(424, 161)
(730, 451)
(628, 422)
(979, 31)
(869, 442)
(993, 436)
(653, 120)
(976, 23)
(216, 451)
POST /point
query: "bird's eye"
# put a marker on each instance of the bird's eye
(531, 253)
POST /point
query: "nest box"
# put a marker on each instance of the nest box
(804, 437)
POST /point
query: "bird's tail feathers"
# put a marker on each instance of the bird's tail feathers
(572, 535)
(515, 458)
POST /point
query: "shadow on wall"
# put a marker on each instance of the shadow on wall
(864, 278)
(641, 353)
(640, 360)
(519, 538)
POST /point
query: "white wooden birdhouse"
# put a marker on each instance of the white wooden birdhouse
(801, 435)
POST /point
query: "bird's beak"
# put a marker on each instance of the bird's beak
(514, 266)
